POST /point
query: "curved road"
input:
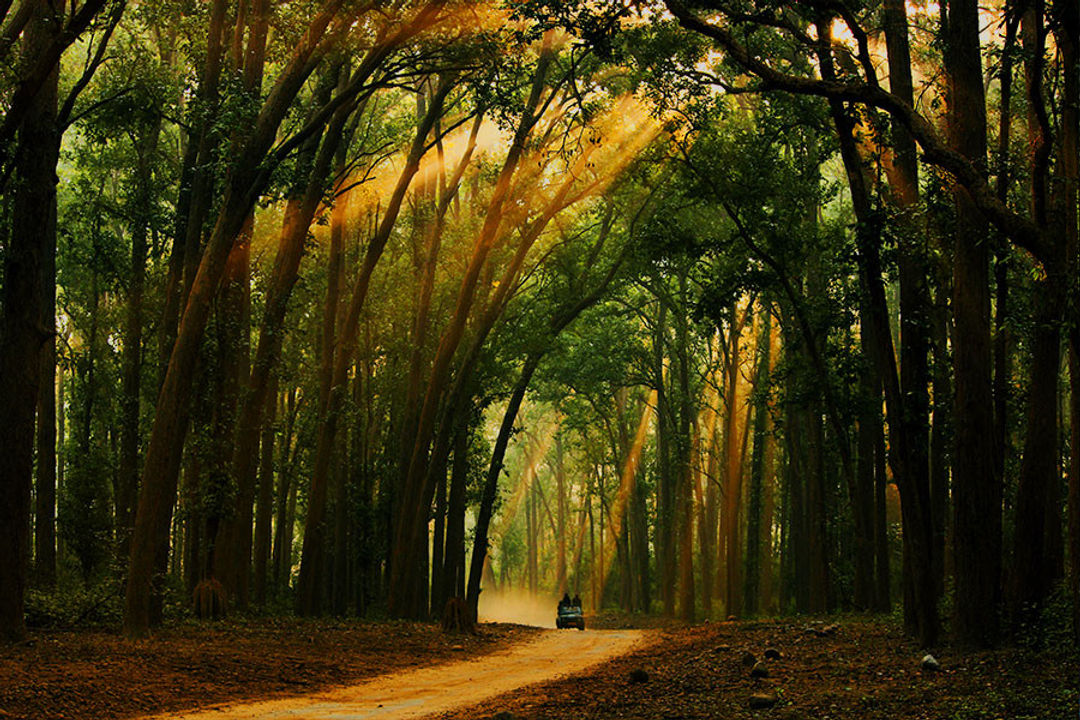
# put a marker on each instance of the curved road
(440, 688)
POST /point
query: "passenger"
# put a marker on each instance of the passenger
(576, 602)
(565, 602)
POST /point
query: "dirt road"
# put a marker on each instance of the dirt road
(440, 688)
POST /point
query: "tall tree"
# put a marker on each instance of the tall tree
(22, 336)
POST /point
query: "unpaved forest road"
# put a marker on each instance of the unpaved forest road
(439, 688)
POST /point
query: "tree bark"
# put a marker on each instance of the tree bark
(1033, 575)
(977, 489)
(21, 333)
(454, 556)
(915, 320)
(45, 485)
(265, 506)
(131, 389)
(1068, 16)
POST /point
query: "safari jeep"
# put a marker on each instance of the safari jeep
(570, 616)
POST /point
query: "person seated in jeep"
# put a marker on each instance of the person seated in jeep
(565, 602)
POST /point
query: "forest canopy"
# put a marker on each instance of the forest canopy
(707, 310)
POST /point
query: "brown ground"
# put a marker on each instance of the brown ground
(860, 670)
(87, 675)
(450, 687)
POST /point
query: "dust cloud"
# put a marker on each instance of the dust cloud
(518, 606)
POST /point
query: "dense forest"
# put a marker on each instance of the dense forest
(705, 310)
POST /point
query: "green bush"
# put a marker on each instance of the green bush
(90, 605)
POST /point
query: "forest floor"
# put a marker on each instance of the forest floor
(96, 675)
(843, 669)
(829, 670)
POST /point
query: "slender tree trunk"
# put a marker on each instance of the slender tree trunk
(438, 548)
(453, 573)
(882, 564)
(280, 558)
(796, 578)
(768, 597)
(1037, 538)
(45, 486)
(1001, 259)
(265, 505)
(755, 513)
(862, 501)
(491, 483)
(733, 471)
(665, 495)
(560, 499)
(128, 471)
(230, 560)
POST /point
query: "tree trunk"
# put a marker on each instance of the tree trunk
(1001, 259)
(665, 490)
(1033, 575)
(45, 486)
(560, 500)
(281, 559)
(265, 505)
(128, 471)
(21, 334)
(1068, 15)
(755, 501)
(491, 483)
(454, 556)
(915, 321)
(977, 490)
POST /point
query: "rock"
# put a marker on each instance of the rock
(637, 675)
(772, 654)
(822, 630)
(930, 663)
(759, 670)
(731, 618)
(457, 648)
(762, 701)
(748, 659)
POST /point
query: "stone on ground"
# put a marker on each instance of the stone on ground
(762, 701)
